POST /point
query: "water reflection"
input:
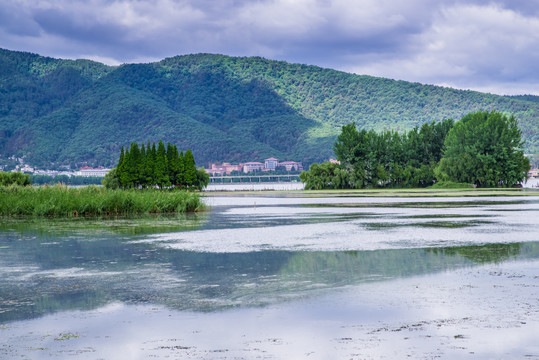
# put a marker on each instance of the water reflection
(245, 255)
(254, 273)
(43, 273)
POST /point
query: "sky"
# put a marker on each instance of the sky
(489, 46)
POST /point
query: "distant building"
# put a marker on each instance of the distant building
(252, 166)
(26, 169)
(87, 171)
(224, 168)
(291, 165)
(271, 164)
(533, 173)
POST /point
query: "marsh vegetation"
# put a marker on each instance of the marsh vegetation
(61, 201)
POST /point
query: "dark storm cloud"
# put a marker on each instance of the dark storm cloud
(485, 45)
(56, 22)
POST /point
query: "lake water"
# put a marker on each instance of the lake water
(279, 186)
(278, 276)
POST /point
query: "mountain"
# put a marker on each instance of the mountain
(223, 108)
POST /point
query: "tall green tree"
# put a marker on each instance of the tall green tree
(181, 169)
(346, 145)
(132, 166)
(190, 170)
(484, 148)
(120, 167)
(161, 166)
(173, 159)
(123, 175)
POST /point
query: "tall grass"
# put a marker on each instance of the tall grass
(61, 201)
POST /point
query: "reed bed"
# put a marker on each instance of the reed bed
(61, 201)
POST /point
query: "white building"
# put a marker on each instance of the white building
(271, 164)
(291, 165)
(252, 166)
(87, 171)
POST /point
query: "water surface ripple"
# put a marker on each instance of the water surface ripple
(355, 273)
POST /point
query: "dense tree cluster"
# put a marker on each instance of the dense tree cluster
(483, 149)
(65, 179)
(14, 178)
(387, 159)
(156, 166)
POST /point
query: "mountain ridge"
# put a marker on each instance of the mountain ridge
(223, 108)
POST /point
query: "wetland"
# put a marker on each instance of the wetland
(278, 275)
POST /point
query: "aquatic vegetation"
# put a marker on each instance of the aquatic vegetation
(66, 336)
(61, 201)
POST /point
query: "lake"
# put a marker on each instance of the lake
(278, 276)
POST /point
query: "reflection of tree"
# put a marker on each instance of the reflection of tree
(482, 254)
(85, 268)
(350, 267)
(338, 268)
(126, 225)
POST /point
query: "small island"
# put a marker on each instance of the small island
(147, 180)
(483, 150)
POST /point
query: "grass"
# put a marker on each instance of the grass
(61, 201)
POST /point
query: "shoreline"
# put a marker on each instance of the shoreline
(419, 192)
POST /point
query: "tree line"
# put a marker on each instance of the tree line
(482, 149)
(156, 166)
(14, 178)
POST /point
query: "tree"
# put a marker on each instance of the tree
(345, 145)
(14, 178)
(111, 180)
(181, 169)
(161, 166)
(190, 170)
(149, 165)
(484, 148)
(173, 159)
(325, 176)
(203, 179)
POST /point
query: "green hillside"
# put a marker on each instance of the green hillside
(223, 108)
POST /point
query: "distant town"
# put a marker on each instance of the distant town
(215, 169)
(270, 164)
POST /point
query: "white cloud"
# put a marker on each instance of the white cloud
(470, 46)
(476, 44)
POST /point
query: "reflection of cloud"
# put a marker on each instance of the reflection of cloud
(366, 227)
(487, 311)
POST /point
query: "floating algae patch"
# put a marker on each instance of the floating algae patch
(451, 224)
(443, 216)
(428, 224)
(66, 336)
(418, 204)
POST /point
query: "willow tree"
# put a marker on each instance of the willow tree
(484, 148)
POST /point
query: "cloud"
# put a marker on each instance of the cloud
(470, 46)
(474, 44)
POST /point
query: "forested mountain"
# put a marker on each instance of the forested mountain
(223, 108)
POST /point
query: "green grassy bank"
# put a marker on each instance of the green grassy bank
(61, 201)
